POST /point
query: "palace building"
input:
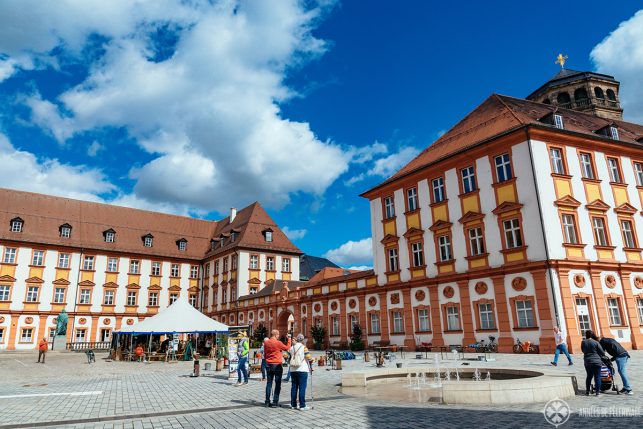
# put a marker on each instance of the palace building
(107, 266)
(525, 215)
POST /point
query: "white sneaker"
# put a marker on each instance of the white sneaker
(306, 408)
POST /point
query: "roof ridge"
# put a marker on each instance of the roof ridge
(499, 98)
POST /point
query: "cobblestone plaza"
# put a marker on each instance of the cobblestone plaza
(68, 392)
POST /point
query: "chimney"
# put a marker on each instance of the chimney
(233, 214)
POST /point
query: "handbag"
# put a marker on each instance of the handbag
(297, 359)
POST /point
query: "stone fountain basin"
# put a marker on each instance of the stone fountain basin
(507, 385)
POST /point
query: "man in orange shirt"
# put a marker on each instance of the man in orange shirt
(273, 349)
(43, 346)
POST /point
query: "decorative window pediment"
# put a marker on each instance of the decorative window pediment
(87, 283)
(133, 286)
(61, 282)
(471, 217)
(174, 288)
(567, 201)
(439, 225)
(507, 206)
(154, 287)
(7, 278)
(597, 205)
(626, 209)
(412, 232)
(390, 238)
(254, 281)
(34, 280)
(110, 285)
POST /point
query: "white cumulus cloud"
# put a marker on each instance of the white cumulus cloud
(294, 234)
(387, 166)
(352, 253)
(621, 54)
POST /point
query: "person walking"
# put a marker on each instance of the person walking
(592, 357)
(561, 346)
(272, 349)
(300, 359)
(43, 346)
(243, 348)
(263, 360)
(620, 356)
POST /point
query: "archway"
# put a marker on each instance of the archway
(282, 323)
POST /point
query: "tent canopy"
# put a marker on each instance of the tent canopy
(178, 318)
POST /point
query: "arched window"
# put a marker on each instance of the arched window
(598, 92)
(580, 97)
(611, 95)
(546, 101)
(563, 99)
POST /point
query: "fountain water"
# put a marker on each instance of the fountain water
(476, 375)
(488, 377)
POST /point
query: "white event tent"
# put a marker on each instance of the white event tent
(178, 318)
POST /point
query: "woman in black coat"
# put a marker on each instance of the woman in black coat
(592, 357)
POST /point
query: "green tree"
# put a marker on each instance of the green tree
(260, 333)
(356, 338)
(319, 334)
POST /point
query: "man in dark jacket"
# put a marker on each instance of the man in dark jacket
(620, 356)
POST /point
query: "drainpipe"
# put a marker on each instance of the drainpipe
(542, 228)
(73, 321)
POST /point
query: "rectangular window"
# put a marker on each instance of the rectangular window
(4, 292)
(1, 335)
(108, 299)
(84, 297)
(88, 263)
(147, 241)
(587, 168)
(233, 262)
(173, 298)
(16, 226)
(207, 270)
(615, 173)
(486, 316)
(503, 167)
(476, 241)
(225, 264)
(63, 260)
(393, 264)
(558, 121)
(194, 272)
(600, 235)
(423, 320)
(375, 323)
(639, 306)
(582, 310)
(183, 245)
(216, 267)
(26, 336)
(134, 266)
(65, 232)
(614, 307)
(468, 180)
(557, 164)
(175, 270)
(628, 234)
(32, 294)
(59, 295)
(112, 265)
(285, 265)
(453, 319)
(153, 299)
(334, 325)
(513, 236)
(444, 245)
(10, 255)
(418, 254)
(38, 258)
(614, 133)
(131, 297)
(81, 335)
(109, 237)
(569, 227)
(254, 262)
(525, 314)
(192, 300)
(438, 189)
(156, 268)
(638, 172)
(389, 207)
(270, 263)
(412, 199)
(398, 322)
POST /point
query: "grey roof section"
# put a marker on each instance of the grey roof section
(568, 75)
(311, 265)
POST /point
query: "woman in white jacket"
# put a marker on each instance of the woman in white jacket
(299, 369)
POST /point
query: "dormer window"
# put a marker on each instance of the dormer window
(65, 230)
(16, 224)
(558, 121)
(614, 132)
(109, 235)
(148, 240)
(267, 233)
(183, 244)
(213, 244)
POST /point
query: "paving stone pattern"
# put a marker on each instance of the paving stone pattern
(161, 395)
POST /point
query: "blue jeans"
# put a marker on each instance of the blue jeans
(242, 369)
(287, 375)
(593, 371)
(299, 382)
(263, 369)
(562, 348)
(275, 371)
(621, 362)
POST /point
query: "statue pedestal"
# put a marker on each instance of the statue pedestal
(59, 342)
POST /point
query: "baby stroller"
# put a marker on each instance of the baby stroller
(607, 377)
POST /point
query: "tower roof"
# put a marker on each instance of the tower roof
(569, 75)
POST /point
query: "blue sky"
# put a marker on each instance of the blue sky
(194, 107)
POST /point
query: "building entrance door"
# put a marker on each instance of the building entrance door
(582, 310)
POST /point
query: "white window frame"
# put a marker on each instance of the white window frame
(174, 297)
(10, 255)
(503, 167)
(587, 167)
(183, 245)
(439, 193)
(32, 294)
(525, 314)
(513, 235)
(153, 299)
(156, 268)
(134, 266)
(59, 295)
(175, 270)
(374, 319)
(557, 162)
(393, 260)
(614, 311)
(148, 241)
(26, 338)
(468, 179)
(389, 207)
(639, 306)
(424, 321)
(638, 173)
(613, 167)
(16, 226)
(64, 259)
(558, 121)
(412, 198)
(65, 232)
(398, 322)
(600, 233)
(285, 265)
(569, 228)
(110, 237)
(132, 298)
(269, 236)
(84, 296)
(38, 258)
(476, 241)
(112, 265)
(485, 312)
(444, 246)
(418, 254)
(270, 263)
(614, 133)
(81, 335)
(254, 262)
(88, 263)
(192, 299)
(194, 271)
(334, 326)
(628, 233)
(108, 297)
(5, 292)
(453, 318)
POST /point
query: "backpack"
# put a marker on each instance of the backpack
(297, 358)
